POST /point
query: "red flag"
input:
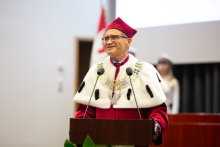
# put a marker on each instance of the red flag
(98, 51)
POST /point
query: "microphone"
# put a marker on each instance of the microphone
(99, 73)
(129, 72)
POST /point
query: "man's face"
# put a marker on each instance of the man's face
(118, 46)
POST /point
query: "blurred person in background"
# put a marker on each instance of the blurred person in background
(164, 67)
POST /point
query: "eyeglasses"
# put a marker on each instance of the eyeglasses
(113, 38)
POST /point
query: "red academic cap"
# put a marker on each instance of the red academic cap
(122, 26)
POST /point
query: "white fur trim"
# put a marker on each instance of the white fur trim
(147, 77)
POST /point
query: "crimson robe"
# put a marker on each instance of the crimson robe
(159, 113)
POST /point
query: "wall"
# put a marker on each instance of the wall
(34, 37)
(186, 43)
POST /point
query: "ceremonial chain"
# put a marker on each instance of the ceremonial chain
(118, 85)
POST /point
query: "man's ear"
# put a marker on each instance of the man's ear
(129, 40)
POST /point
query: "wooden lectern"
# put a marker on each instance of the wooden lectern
(111, 131)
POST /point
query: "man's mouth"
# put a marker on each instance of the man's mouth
(109, 47)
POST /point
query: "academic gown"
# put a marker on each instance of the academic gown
(159, 113)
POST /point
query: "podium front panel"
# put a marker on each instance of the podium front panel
(111, 131)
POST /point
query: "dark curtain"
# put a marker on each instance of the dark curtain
(199, 87)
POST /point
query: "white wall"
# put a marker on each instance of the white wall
(186, 43)
(34, 36)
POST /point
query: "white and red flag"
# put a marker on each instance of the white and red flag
(98, 53)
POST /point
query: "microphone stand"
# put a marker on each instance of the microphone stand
(135, 97)
(90, 97)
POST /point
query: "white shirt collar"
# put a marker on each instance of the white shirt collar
(119, 61)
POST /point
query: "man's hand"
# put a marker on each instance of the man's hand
(157, 130)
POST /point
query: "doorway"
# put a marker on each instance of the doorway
(83, 50)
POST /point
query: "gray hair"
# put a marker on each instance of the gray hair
(123, 34)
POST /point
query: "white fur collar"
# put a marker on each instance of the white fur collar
(146, 77)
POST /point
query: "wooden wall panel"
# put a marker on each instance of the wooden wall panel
(192, 130)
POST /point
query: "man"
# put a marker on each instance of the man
(113, 97)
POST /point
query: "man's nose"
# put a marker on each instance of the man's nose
(109, 41)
